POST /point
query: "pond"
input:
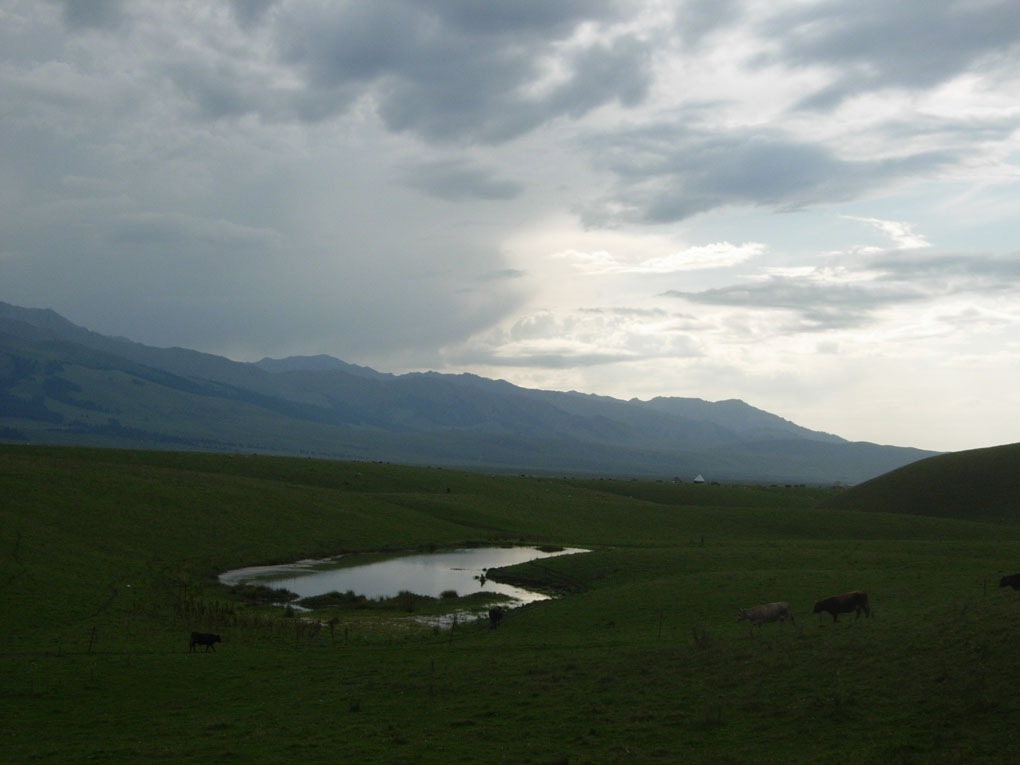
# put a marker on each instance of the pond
(424, 574)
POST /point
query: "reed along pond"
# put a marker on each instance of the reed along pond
(429, 574)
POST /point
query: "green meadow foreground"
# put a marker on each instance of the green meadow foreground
(109, 560)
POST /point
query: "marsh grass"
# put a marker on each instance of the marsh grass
(109, 561)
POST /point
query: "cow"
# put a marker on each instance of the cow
(204, 638)
(495, 616)
(856, 600)
(1012, 580)
(768, 612)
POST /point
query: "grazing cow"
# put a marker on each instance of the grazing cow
(495, 616)
(204, 638)
(1013, 580)
(768, 612)
(856, 600)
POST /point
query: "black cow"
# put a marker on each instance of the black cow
(856, 600)
(495, 616)
(1013, 580)
(204, 638)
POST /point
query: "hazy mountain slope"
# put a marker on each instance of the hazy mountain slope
(978, 484)
(750, 422)
(609, 414)
(60, 383)
(54, 391)
(845, 462)
(425, 401)
(318, 363)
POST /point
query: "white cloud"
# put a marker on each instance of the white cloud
(716, 255)
(901, 234)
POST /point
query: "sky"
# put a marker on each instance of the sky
(812, 206)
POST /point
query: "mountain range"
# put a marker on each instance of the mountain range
(64, 384)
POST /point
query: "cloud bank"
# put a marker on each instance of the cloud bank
(714, 199)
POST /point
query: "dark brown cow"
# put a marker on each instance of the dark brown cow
(1013, 580)
(856, 600)
(495, 616)
(204, 638)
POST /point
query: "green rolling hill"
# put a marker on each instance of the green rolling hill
(108, 560)
(978, 484)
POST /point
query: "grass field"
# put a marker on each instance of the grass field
(108, 561)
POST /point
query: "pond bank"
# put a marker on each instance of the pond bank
(443, 573)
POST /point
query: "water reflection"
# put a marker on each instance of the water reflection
(425, 574)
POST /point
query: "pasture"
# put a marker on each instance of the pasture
(108, 562)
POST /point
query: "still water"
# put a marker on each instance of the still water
(424, 574)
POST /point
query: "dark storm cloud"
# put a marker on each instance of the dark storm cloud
(698, 19)
(454, 71)
(93, 14)
(216, 90)
(667, 173)
(503, 274)
(819, 305)
(874, 44)
(519, 19)
(604, 72)
(952, 273)
(183, 234)
(848, 297)
(250, 12)
(965, 132)
(457, 180)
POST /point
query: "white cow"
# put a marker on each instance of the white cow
(768, 612)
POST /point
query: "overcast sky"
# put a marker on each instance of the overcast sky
(810, 206)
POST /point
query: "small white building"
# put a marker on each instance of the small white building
(699, 478)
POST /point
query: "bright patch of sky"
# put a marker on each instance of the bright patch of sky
(809, 206)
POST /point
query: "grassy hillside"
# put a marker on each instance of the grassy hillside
(980, 484)
(109, 560)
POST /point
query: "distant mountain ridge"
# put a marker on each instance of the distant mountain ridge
(61, 383)
(318, 363)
